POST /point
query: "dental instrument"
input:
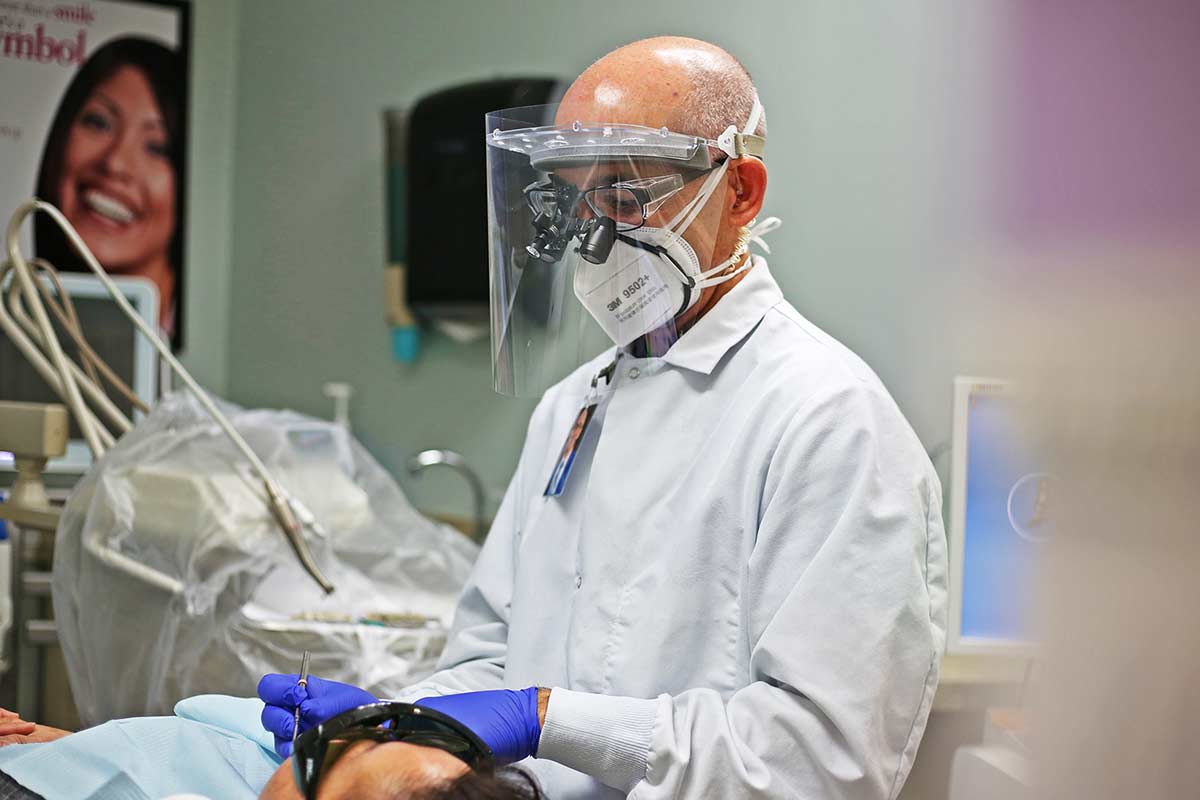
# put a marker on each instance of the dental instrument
(303, 684)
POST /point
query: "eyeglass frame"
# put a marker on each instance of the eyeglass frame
(647, 202)
(367, 723)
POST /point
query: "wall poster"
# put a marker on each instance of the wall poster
(93, 118)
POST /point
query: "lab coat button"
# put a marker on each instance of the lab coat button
(633, 373)
(578, 581)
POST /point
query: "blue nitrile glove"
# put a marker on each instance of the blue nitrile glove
(318, 702)
(507, 721)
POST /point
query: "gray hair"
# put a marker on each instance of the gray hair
(717, 100)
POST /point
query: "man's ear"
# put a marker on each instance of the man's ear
(748, 180)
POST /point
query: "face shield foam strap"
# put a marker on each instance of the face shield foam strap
(746, 143)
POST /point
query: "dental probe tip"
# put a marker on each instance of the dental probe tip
(302, 682)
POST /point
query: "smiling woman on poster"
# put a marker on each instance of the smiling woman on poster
(113, 163)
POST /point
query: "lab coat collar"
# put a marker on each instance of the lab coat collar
(727, 322)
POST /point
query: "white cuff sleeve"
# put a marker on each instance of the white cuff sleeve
(602, 736)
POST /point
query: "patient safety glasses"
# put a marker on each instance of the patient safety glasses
(319, 748)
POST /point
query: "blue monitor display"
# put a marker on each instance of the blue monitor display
(1007, 499)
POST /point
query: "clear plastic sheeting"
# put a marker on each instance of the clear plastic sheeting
(171, 577)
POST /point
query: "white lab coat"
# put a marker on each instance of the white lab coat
(741, 592)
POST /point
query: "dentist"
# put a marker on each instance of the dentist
(720, 569)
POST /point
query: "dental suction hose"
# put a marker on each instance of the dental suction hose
(277, 498)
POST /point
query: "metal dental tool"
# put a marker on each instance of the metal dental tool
(303, 682)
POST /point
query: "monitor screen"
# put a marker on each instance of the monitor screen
(109, 334)
(114, 339)
(1001, 505)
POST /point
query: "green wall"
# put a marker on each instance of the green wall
(870, 189)
(210, 189)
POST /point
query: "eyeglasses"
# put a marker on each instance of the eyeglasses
(627, 203)
(630, 203)
(319, 748)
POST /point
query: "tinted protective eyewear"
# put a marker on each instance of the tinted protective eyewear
(319, 748)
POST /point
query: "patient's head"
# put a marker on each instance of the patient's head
(371, 770)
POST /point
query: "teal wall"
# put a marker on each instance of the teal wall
(870, 189)
(210, 189)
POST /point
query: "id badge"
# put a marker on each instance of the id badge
(566, 458)
(562, 467)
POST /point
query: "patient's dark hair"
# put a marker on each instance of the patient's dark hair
(507, 783)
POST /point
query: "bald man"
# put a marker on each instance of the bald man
(736, 586)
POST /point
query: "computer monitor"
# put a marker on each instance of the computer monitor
(114, 339)
(1000, 514)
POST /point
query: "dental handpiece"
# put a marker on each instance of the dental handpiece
(303, 683)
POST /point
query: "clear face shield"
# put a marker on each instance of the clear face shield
(599, 235)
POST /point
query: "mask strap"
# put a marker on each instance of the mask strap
(688, 213)
(761, 229)
(713, 276)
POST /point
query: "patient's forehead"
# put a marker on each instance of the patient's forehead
(373, 771)
(370, 771)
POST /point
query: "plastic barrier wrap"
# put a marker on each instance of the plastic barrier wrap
(172, 579)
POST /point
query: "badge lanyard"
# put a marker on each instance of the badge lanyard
(566, 457)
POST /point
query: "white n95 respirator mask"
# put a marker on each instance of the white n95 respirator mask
(645, 283)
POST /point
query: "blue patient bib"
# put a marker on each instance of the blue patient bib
(215, 746)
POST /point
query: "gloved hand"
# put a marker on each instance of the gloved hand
(319, 701)
(505, 720)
